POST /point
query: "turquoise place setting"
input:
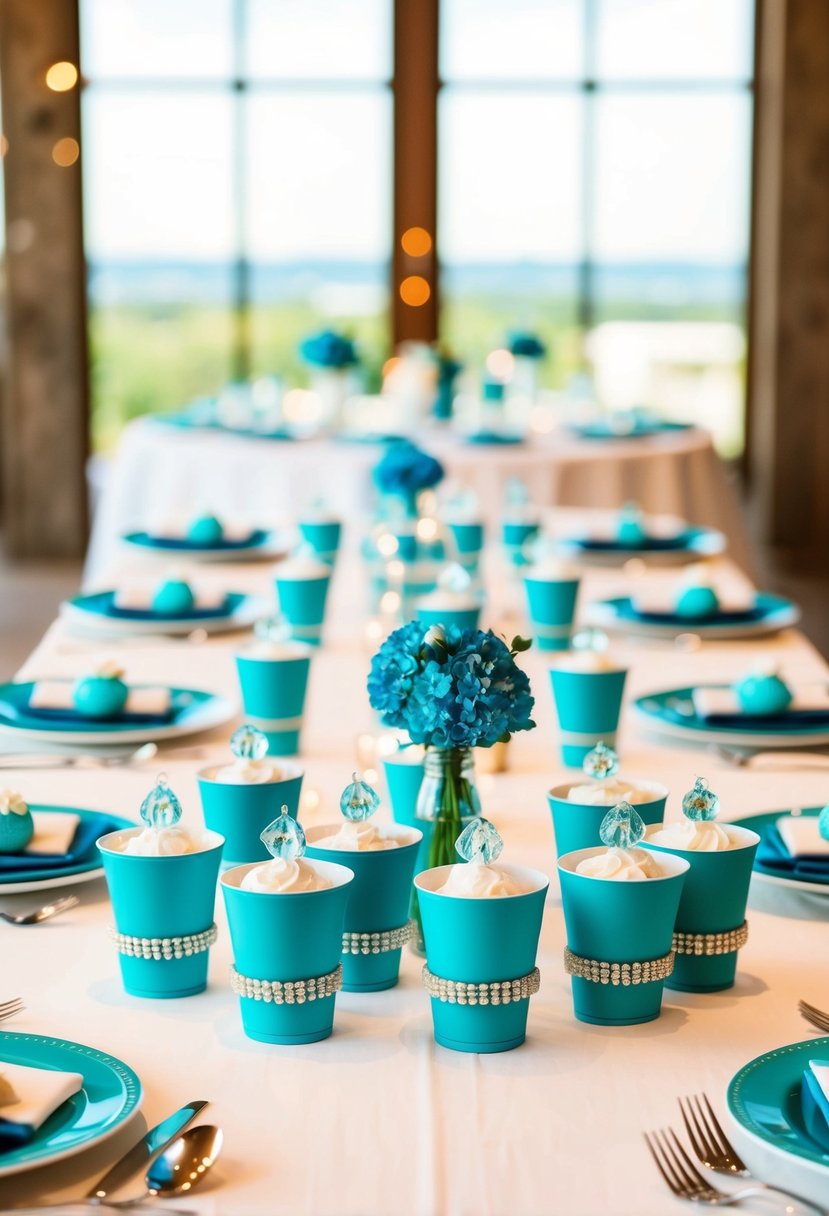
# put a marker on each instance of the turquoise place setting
(770, 614)
(764, 1103)
(772, 865)
(24, 872)
(192, 710)
(627, 426)
(686, 544)
(109, 1096)
(260, 543)
(98, 613)
(671, 712)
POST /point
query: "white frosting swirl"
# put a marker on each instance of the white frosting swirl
(445, 599)
(302, 566)
(12, 803)
(167, 842)
(620, 865)
(608, 793)
(362, 837)
(475, 880)
(245, 771)
(550, 569)
(587, 661)
(283, 877)
(695, 836)
(274, 650)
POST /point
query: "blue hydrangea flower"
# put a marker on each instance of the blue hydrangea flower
(405, 469)
(459, 688)
(328, 349)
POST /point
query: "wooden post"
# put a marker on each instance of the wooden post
(415, 165)
(45, 423)
(788, 453)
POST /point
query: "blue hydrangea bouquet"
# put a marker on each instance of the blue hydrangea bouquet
(404, 471)
(452, 690)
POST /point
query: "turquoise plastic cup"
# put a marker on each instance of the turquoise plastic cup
(468, 543)
(514, 535)
(273, 694)
(576, 824)
(162, 897)
(714, 900)
(404, 777)
(552, 606)
(323, 536)
(588, 704)
(378, 901)
(619, 922)
(463, 618)
(419, 579)
(481, 941)
(241, 811)
(287, 937)
(302, 603)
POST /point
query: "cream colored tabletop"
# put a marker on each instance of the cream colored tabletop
(378, 1119)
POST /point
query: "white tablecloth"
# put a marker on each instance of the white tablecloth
(160, 470)
(378, 1119)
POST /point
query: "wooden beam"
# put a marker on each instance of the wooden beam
(789, 374)
(415, 163)
(45, 419)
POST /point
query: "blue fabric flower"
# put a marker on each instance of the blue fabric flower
(406, 469)
(450, 687)
(328, 349)
(526, 345)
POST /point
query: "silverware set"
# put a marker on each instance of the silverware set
(770, 761)
(112, 758)
(8, 1009)
(715, 1152)
(815, 1017)
(40, 914)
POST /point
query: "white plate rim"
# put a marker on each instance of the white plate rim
(216, 712)
(675, 730)
(46, 884)
(599, 612)
(91, 624)
(269, 550)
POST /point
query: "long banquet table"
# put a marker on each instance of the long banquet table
(378, 1119)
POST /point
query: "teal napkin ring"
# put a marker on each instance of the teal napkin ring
(161, 949)
(597, 971)
(729, 941)
(287, 992)
(498, 992)
(380, 942)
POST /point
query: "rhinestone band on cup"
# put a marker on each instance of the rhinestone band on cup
(499, 992)
(163, 948)
(380, 942)
(708, 944)
(287, 992)
(599, 972)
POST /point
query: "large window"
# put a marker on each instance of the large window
(238, 180)
(594, 186)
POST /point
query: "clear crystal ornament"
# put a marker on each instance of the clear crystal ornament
(272, 629)
(249, 743)
(591, 639)
(601, 763)
(284, 837)
(358, 800)
(622, 827)
(700, 802)
(479, 842)
(161, 808)
(823, 822)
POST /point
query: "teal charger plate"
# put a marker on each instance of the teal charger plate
(770, 614)
(689, 544)
(760, 824)
(19, 881)
(94, 612)
(671, 712)
(260, 543)
(764, 1102)
(602, 428)
(194, 710)
(111, 1095)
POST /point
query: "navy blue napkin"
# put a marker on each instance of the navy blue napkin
(92, 826)
(71, 717)
(12, 1135)
(772, 854)
(746, 616)
(182, 544)
(647, 544)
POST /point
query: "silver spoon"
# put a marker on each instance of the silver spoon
(41, 914)
(182, 1167)
(82, 760)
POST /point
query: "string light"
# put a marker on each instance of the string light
(62, 76)
(66, 152)
(415, 291)
(416, 242)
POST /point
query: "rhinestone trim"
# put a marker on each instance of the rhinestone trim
(729, 941)
(499, 992)
(161, 949)
(380, 942)
(287, 992)
(599, 972)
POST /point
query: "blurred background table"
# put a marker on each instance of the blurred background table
(163, 470)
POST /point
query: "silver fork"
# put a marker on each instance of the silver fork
(686, 1182)
(9, 1008)
(715, 1151)
(41, 914)
(814, 1016)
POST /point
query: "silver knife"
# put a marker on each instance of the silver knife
(141, 1154)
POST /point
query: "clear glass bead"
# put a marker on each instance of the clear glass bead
(161, 808)
(284, 837)
(622, 827)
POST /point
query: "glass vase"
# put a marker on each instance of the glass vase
(448, 800)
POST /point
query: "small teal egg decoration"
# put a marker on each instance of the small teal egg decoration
(823, 822)
(16, 824)
(630, 527)
(694, 603)
(100, 695)
(173, 596)
(763, 694)
(205, 530)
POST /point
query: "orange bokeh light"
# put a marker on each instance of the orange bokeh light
(66, 152)
(416, 242)
(415, 291)
(62, 76)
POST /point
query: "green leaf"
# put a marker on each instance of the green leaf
(519, 644)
